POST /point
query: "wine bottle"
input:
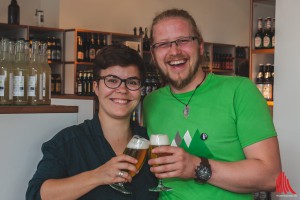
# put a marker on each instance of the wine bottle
(20, 74)
(6, 76)
(258, 37)
(13, 13)
(34, 76)
(46, 76)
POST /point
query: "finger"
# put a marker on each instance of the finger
(123, 176)
(126, 158)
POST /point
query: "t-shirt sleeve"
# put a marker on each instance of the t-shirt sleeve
(254, 120)
(50, 167)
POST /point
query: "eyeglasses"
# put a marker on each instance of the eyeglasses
(181, 42)
(113, 82)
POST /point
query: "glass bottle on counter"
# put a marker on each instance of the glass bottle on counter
(258, 37)
(79, 84)
(13, 13)
(46, 76)
(34, 79)
(20, 74)
(6, 74)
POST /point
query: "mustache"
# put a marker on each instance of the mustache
(176, 57)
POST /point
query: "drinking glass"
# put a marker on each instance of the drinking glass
(157, 140)
(137, 148)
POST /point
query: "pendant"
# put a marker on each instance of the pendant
(186, 111)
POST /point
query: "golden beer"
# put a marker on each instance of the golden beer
(137, 148)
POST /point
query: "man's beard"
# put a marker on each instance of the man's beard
(179, 84)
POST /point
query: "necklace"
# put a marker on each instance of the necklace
(186, 110)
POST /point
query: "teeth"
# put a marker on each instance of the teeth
(121, 101)
(177, 62)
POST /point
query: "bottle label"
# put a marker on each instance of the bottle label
(11, 84)
(44, 84)
(267, 91)
(41, 79)
(273, 41)
(2, 85)
(79, 88)
(80, 55)
(267, 41)
(92, 54)
(18, 86)
(257, 42)
(31, 86)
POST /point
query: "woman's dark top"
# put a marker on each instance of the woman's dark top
(82, 148)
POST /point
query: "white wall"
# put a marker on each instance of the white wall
(221, 21)
(287, 92)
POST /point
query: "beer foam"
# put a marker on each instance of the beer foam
(159, 139)
(140, 143)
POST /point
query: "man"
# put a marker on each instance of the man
(224, 144)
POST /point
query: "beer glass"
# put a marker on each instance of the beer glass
(157, 140)
(137, 148)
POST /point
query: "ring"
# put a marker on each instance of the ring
(120, 174)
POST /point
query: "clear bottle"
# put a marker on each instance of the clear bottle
(46, 76)
(79, 83)
(258, 37)
(34, 80)
(13, 13)
(6, 74)
(20, 74)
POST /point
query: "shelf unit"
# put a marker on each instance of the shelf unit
(72, 66)
(210, 49)
(39, 33)
(260, 8)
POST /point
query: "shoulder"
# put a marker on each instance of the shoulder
(71, 133)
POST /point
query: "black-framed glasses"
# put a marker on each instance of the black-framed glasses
(113, 82)
(181, 42)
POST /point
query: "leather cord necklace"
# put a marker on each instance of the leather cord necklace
(186, 110)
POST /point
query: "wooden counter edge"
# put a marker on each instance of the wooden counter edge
(38, 109)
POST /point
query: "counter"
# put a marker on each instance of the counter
(23, 130)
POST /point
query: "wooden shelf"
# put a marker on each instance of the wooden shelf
(262, 51)
(38, 109)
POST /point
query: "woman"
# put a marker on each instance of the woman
(81, 161)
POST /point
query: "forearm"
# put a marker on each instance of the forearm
(244, 176)
(69, 188)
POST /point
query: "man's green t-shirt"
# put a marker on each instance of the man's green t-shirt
(226, 114)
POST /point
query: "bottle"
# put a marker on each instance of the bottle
(91, 80)
(13, 13)
(6, 74)
(49, 48)
(46, 77)
(86, 45)
(268, 84)
(20, 74)
(53, 83)
(53, 49)
(58, 50)
(146, 41)
(258, 37)
(58, 84)
(34, 79)
(260, 78)
(267, 39)
(80, 51)
(92, 48)
(98, 44)
(79, 83)
(273, 33)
